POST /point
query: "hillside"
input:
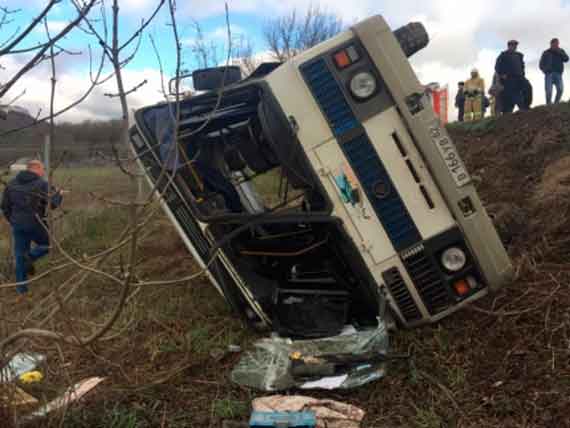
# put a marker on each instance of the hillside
(501, 362)
(76, 142)
(521, 163)
(23, 143)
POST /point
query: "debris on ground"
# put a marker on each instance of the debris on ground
(33, 376)
(71, 395)
(20, 364)
(329, 413)
(277, 364)
(286, 419)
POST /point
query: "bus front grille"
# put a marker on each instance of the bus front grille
(427, 279)
(329, 96)
(381, 192)
(401, 294)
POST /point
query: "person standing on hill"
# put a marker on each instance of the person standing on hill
(496, 93)
(24, 204)
(474, 92)
(511, 70)
(460, 101)
(552, 65)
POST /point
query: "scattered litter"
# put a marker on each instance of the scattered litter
(282, 420)
(217, 354)
(329, 413)
(348, 360)
(234, 348)
(72, 394)
(332, 382)
(17, 397)
(31, 377)
(19, 364)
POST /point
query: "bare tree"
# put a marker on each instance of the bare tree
(119, 54)
(243, 54)
(205, 51)
(40, 52)
(291, 34)
(50, 321)
(211, 52)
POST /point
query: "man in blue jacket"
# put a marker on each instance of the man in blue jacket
(24, 204)
(552, 65)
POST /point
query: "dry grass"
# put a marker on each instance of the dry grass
(504, 362)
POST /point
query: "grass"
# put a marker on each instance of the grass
(479, 127)
(118, 416)
(230, 409)
(170, 366)
(427, 418)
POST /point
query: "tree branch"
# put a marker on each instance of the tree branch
(30, 27)
(38, 57)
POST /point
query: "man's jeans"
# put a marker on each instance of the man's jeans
(24, 236)
(550, 80)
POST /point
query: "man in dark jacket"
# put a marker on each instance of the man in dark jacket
(24, 205)
(460, 101)
(552, 65)
(510, 68)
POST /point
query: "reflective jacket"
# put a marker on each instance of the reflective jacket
(474, 87)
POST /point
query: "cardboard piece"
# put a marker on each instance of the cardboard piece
(72, 394)
(330, 413)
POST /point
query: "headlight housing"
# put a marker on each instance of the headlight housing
(453, 259)
(363, 85)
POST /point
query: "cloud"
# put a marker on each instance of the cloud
(54, 27)
(461, 37)
(71, 86)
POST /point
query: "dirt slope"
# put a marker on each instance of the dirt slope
(503, 362)
(522, 164)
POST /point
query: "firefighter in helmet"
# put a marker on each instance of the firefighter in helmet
(474, 92)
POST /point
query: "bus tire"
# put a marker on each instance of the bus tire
(412, 38)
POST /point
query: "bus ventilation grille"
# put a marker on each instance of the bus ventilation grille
(427, 280)
(401, 294)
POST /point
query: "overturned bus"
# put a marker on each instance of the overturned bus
(321, 191)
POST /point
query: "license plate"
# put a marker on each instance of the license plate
(450, 156)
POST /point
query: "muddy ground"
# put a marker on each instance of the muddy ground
(503, 362)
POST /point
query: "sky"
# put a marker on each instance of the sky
(463, 35)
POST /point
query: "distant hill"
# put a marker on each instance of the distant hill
(24, 143)
(19, 137)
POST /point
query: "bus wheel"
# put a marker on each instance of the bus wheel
(412, 38)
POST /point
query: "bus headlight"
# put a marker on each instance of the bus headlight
(453, 259)
(363, 85)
